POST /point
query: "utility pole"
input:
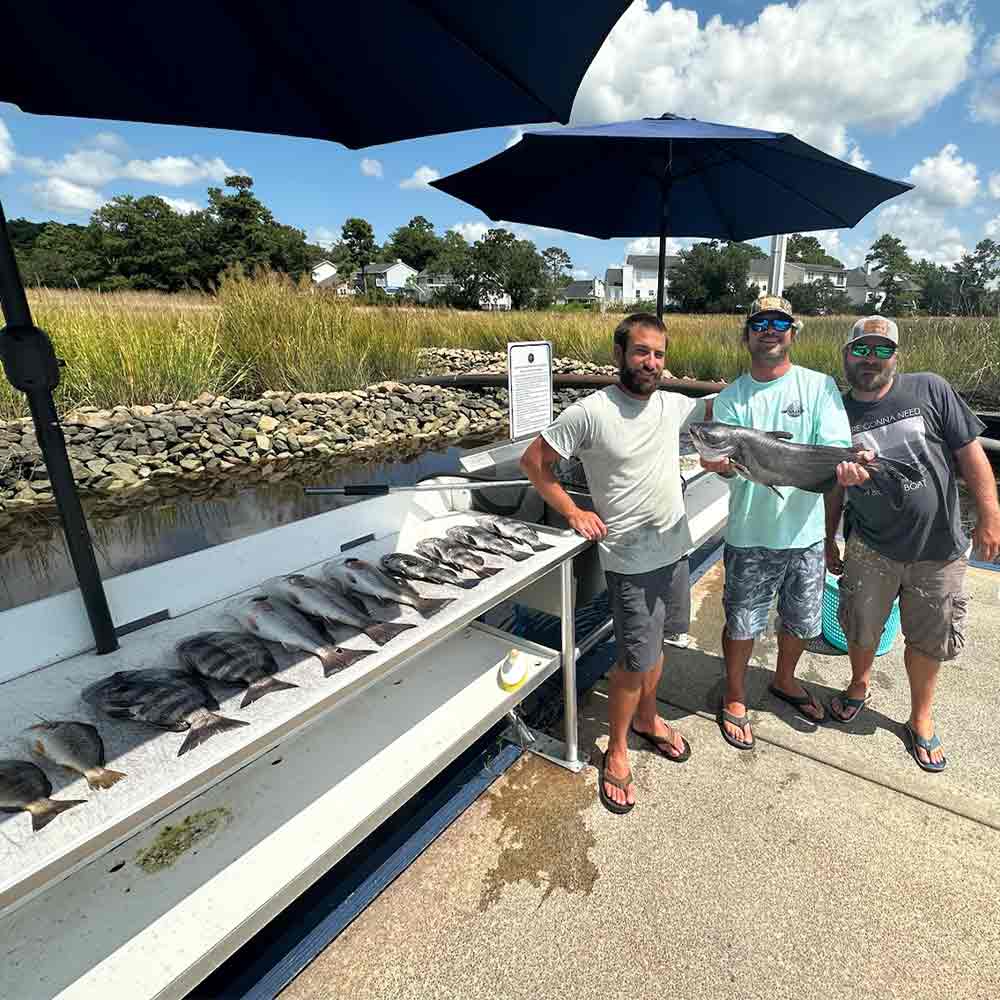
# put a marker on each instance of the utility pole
(776, 283)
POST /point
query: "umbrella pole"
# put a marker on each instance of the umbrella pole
(31, 366)
(665, 186)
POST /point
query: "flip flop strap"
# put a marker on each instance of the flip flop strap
(620, 783)
(845, 699)
(734, 720)
(926, 744)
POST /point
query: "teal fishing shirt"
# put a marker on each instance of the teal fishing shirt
(807, 404)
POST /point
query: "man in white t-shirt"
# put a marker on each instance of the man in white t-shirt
(627, 437)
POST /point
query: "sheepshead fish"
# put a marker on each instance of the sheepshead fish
(324, 601)
(770, 459)
(268, 618)
(164, 698)
(233, 658)
(417, 568)
(74, 745)
(486, 541)
(515, 531)
(364, 578)
(450, 552)
(25, 788)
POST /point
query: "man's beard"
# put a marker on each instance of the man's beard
(767, 356)
(870, 381)
(630, 379)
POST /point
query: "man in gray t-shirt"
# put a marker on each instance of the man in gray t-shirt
(627, 437)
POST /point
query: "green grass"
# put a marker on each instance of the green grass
(265, 333)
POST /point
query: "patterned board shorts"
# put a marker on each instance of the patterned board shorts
(755, 575)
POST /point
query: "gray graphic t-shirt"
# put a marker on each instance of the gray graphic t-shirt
(630, 451)
(923, 421)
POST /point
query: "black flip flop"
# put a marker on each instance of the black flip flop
(799, 701)
(664, 746)
(622, 783)
(855, 705)
(739, 722)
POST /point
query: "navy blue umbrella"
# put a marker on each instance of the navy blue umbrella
(359, 73)
(670, 176)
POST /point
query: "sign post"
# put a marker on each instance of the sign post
(529, 387)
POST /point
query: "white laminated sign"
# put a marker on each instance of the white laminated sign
(529, 387)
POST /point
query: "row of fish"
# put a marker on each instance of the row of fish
(299, 613)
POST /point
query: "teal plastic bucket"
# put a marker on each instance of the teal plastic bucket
(832, 631)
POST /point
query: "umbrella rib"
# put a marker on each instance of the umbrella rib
(446, 24)
(787, 187)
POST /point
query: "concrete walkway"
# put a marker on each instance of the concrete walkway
(824, 864)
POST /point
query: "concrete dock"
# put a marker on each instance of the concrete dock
(824, 864)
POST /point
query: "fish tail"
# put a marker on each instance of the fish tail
(542, 546)
(207, 726)
(335, 659)
(469, 584)
(382, 632)
(429, 606)
(488, 571)
(259, 688)
(44, 811)
(520, 556)
(103, 777)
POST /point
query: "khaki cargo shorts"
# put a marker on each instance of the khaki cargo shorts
(932, 600)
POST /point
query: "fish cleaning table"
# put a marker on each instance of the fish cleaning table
(149, 885)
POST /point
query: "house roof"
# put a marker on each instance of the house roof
(650, 261)
(832, 268)
(579, 289)
(760, 267)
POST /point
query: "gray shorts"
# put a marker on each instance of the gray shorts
(755, 575)
(645, 607)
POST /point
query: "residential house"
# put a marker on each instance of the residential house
(427, 284)
(864, 286)
(589, 291)
(324, 274)
(636, 279)
(391, 276)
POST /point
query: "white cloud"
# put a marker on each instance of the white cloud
(985, 102)
(177, 171)
(323, 236)
(923, 229)
(815, 68)
(857, 159)
(182, 205)
(516, 137)
(90, 167)
(60, 195)
(580, 273)
(992, 228)
(470, 231)
(946, 179)
(421, 178)
(832, 242)
(994, 185)
(651, 245)
(110, 141)
(371, 168)
(6, 149)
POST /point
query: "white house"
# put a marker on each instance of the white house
(636, 279)
(590, 290)
(389, 277)
(323, 272)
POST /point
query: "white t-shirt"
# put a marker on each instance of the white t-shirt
(631, 454)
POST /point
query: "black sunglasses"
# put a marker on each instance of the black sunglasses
(883, 352)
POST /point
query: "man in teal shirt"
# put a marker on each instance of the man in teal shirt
(774, 545)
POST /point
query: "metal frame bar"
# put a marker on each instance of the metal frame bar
(31, 366)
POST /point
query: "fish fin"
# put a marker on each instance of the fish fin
(429, 606)
(776, 492)
(903, 469)
(382, 632)
(542, 546)
(780, 435)
(205, 728)
(46, 810)
(741, 470)
(266, 685)
(103, 777)
(337, 658)
(520, 556)
(469, 584)
(488, 571)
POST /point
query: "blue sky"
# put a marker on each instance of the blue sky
(909, 88)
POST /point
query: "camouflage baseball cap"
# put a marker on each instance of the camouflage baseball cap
(874, 326)
(771, 303)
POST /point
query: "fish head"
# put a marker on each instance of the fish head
(714, 441)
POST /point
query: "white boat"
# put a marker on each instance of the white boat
(148, 886)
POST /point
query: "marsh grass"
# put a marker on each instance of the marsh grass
(266, 333)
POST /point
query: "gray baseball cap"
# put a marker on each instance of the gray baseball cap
(874, 326)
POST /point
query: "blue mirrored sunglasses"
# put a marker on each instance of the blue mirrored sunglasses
(760, 325)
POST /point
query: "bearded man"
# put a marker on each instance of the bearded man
(627, 437)
(919, 554)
